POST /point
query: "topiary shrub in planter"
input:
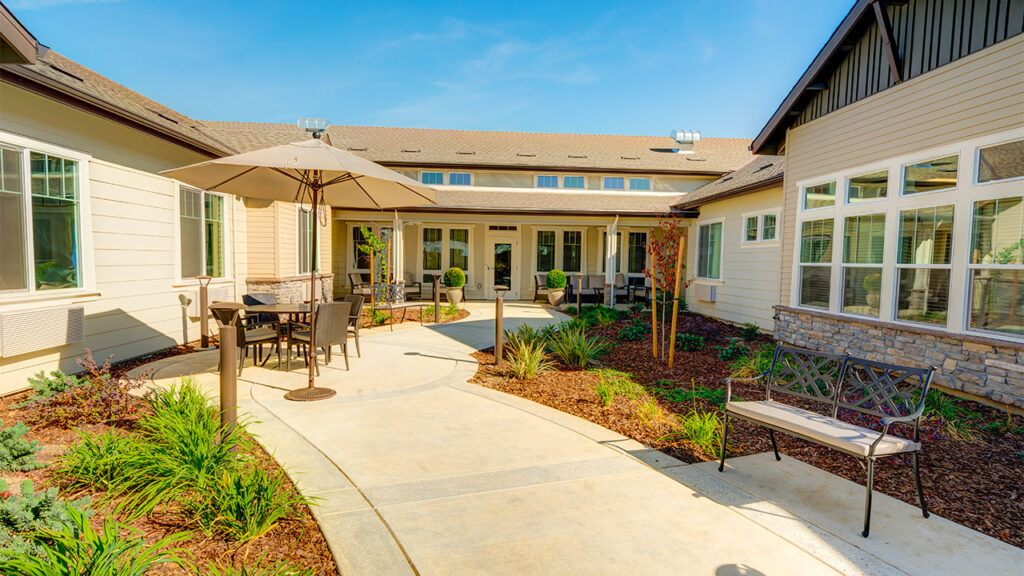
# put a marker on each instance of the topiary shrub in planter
(555, 282)
(873, 286)
(454, 279)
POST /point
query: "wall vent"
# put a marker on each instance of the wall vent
(705, 292)
(27, 331)
(505, 228)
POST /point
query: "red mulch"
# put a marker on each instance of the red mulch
(978, 483)
(297, 540)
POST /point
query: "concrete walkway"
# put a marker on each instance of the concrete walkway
(419, 472)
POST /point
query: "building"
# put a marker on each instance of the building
(902, 198)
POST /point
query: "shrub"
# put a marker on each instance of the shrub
(689, 342)
(750, 331)
(734, 350)
(700, 428)
(555, 280)
(44, 386)
(599, 316)
(27, 513)
(380, 317)
(525, 333)
(100, 397)
(451, 309)
(571, 344)
(679, 395)
(754, 364)
(454, 277)
(637, 307)
(635, 331)
(527, 358)
(956, 421)
(77, 549)
(615, 383)
(570, 310)
(247, 503)
(16, 453)
(95, 460)
(872, 282)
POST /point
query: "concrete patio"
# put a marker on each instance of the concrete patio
(419, 472)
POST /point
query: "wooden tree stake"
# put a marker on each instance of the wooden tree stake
(675, 303)
(654, 305)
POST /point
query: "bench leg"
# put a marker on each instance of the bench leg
(725, 434)
(920, 490)
(867, 500)
(775, 447)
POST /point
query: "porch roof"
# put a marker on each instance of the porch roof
(760, 173)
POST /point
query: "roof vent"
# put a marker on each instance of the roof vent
(66, 73)
(521, 155)
(686, 140)
(768, 165)
(630, 157)
(363, 149)
(577, 155)
(465, 153)
(410, 151)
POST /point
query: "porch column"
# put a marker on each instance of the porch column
(397, 241)
(611, 252)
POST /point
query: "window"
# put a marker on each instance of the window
(460, 178)
(930, 176)
(637, 252)
(545, 250)
(201, 216)
(458, 248)
(618, 252)
(1001, 162)
(572, 251)
(614, 183)
(923, 263)
(639, 183)
(996, 263)
(709, 251)
(768, 226)
(815, 263)
(750, 229)
(820, 196)
(575, 182)
(55, 236)
(864, 239)
(307, 220)
(868, 187)
(547, 181)
(13, 272)
(361, 259)
(431, 252)
(432, 177)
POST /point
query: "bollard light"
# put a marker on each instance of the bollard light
(499, 317)
(437, 298)
(204, 311)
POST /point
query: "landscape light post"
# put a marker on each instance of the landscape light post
(204, 311)
(499, 331)
(437, 298)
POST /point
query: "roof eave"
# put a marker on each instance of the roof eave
(532, 212)
(748, 189)
(549, 168)
(19, 45)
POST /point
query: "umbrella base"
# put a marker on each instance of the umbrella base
(309, 394)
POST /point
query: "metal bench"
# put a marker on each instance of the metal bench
(391, 297)
(893, 393)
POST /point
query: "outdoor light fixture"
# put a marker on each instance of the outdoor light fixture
(316, 126)
(204, 312)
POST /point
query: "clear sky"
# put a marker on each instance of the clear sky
(721, 67)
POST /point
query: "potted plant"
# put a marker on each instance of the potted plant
(454, 279)
(873, 287)
(555, 282)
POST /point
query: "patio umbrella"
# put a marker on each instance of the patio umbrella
(315, 174)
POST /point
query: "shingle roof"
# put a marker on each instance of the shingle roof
(55, 72)
(421, 146)
(759, 172)
(513, 200)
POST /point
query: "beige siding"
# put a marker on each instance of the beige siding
(977, 95)
(750, 271)
(261, 239)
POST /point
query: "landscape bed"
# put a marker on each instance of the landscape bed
(973, 456)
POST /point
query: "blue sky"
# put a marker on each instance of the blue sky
(721, 67)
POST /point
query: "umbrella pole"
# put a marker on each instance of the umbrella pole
(312, 392)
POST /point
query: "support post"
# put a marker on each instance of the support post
(579, 291)
(228, 378)
(437, 298)
(675, 303)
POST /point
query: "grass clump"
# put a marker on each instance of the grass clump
(689, 342)
(699, 428)
(664, 388)
(24, 514)
(601, 316)
(527, 357)
(16, 453)
(954, 419)
(278, 569)
(637, 307)
(734, 350)
(246, 503)
(634, 331)
(755, 364)
(379, 317)
(615, 383)
(526, 334)
(570, 343)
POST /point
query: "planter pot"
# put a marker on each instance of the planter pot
(556, 297)
(873, 299)
(454, 295)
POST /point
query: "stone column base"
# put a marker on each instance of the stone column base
(292, 289)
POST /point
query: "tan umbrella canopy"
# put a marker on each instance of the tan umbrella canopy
(311, 173)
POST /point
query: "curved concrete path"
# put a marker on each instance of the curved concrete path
(419, 472)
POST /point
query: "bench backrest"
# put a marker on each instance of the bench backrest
(806, 373)
(389, 293)
(883, 389)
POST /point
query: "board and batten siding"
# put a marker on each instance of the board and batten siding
(977, 95)
(749, 287)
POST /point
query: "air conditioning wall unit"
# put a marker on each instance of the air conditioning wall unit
(705, 292)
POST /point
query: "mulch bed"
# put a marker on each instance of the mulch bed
(413, 315)
(978, 483)
(297, 540)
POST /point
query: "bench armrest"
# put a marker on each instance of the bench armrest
(729, 381)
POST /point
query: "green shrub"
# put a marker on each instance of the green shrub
(16, 453)
(689, 342)
(570, 310)
(247, 503)
(527, 358)
(98, 397)
(637, 307)
(555, 280)
(602, 316)
(572, 346)
(665, 389)
(77, 549)
(648, 411)
(380, 317)
(754, 364)
(750, 331)
(956, 421)
(634, 331)
(734, 350)
(525, 333)
(278, 569)
(44, 386)
(24, 514)
(95, 461)
(451, 309)
(700, 428)
(614, 383)
(454, 277)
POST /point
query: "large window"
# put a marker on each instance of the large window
(55, 234)
(637, 262)
(13, 272)
(709, 251)
(1001, 162)
(572, 251)
(863, 243)
(545, 250)
(444, 248)
(458, 248)
(815, 263)
(201, 233)
(996, 265)
(307, 220)
(431, 251)
(923, 261)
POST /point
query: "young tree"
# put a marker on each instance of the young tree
(664, 241)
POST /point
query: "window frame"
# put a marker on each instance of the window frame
(604, 183)
(799, 264)
(954, 187)
(721, 250)
(87, 266)
(976, 172)
(844, 265)
(818, 182)
(445, 248)
(423, 172)
(450, 174)
(229, 208)
(559, 247)
(898, 267)
(847, 181)
(760, 240)
(580, 176)
(537, 177)
(648, 179)
(353, 227)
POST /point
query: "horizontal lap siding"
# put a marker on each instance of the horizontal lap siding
(977, 95)
(750, 272)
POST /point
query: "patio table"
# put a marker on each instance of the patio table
(293, 310)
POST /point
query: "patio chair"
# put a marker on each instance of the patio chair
(595, 286)
(413, 289)
(355, 318)
(258, 335)
(332, 320)
(540, 286)
(620, 288)
(358, 285)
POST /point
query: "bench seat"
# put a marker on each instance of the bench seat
(823, 430)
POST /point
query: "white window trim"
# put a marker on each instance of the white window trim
(929, 158)
(803, 193)
(760, 241)
(85, 233)
(445, 249)
(448, 178)
(721, 259)
(962, 198)
(625, 249)
(559, 247)
(564, 176)
(229, 219)
(558, 181)
(870, 169)
(843, 266)
(625, 183)
(977, 162)
(374, 227)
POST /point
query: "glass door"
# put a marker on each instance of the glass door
(501, 267)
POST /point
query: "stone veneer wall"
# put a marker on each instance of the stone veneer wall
(989, 369)
(291, 289)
